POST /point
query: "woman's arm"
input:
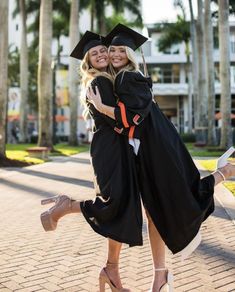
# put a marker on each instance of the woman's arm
(135, 98)
(95, 99)
(108, 111)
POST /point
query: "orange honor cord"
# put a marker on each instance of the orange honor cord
(118, 130)
(131, 132)
(123, 114)
(136, 118)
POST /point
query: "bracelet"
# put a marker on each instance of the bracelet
(220, 172)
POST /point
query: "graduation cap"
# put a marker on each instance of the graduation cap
(88, 41)
(122, 35)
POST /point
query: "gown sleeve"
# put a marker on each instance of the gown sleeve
(106, 90)
(135, 98)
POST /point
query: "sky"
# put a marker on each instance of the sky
(160, 10)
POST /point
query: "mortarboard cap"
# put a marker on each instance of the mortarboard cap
(122, 35)
(88, 41)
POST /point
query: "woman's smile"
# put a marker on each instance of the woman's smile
(118, 57)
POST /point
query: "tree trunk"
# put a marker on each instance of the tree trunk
(3, 73)
(23, 74)
(92, 10)
(45, 74)
(201, 130)
(73, 75)
(194, 65)
(209, 44)
(100, 15)
(225, 101)
(190, 85)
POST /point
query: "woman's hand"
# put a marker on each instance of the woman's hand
(95, 98)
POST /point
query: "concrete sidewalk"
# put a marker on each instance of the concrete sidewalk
(70, 258)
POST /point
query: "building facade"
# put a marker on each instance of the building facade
(168, 72)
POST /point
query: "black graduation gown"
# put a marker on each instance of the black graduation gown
(116, 210)
(177, 200)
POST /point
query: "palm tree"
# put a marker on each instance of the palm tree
(31, 8)
(224, 46)
(132, 6)
(60, 20)
(174, 33)
(45, 74)
(23, 74)
(209, 44)
(100, 16)
(202, 84)
(193, 37)
(73, 75)
(97, 11)
(3, 72)
(13, 67)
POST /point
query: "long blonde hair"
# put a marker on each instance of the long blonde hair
(88, 73)
(131, 66)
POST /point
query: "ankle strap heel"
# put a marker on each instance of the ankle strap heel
(168, 286)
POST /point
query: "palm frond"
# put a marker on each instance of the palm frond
(174, 33)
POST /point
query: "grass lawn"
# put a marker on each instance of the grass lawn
(18, 152)
(204, 151)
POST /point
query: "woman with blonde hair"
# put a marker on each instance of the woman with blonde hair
(115, 212)
(176, 200)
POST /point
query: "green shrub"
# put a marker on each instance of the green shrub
(188, 137)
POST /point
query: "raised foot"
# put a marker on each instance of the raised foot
(49, 218)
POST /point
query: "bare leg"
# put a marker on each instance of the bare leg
(66, 207)
(114, 249)
(75, 208)
(158, 254)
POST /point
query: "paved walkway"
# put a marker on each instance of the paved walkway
(70, 258)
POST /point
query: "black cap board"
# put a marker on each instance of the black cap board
(88, 41)
(122, 35)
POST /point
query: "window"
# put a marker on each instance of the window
(232, 43)
(164, 73)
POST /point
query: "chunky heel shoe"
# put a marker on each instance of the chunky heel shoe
(49, 218)
(104, 279)
(49, 200)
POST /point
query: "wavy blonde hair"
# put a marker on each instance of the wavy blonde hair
(131, 66)
(88, 73)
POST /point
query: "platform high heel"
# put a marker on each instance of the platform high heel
(63, 205)
(104, 279)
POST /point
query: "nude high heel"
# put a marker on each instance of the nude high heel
(104, 279)
(168, 286)
(62, 205)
